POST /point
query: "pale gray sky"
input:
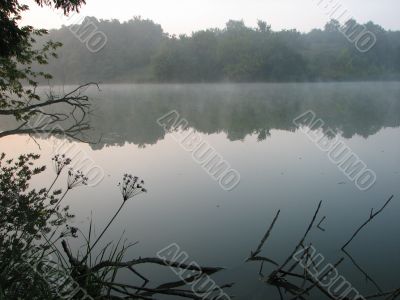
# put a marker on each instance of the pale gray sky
(185, 16)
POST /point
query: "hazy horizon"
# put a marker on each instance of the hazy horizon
(184, 17)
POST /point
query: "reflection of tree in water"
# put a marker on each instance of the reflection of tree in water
(128, 114)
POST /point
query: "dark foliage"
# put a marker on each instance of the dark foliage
(14, 38)
(139, 50)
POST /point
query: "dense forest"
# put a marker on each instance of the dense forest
(140, 51)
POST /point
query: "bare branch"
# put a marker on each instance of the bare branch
(371, 217)
(157, 261)
(264, 239)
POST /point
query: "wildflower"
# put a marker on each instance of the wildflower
(70, 231)
(76, 178)
(74, 232)
(131, 186)
(60, 162)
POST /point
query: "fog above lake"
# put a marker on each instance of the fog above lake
(128, 113)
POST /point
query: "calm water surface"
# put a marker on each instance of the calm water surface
(250, 125)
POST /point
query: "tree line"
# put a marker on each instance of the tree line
(139, 50)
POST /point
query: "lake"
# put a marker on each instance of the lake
(251, 127)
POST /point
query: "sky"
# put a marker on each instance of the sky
(186, 16)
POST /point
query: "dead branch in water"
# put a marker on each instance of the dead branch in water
(371, 217)
(82, 272)
(285, 278)
(303, 238)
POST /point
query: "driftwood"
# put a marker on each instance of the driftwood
(116, 290)
(286, 279)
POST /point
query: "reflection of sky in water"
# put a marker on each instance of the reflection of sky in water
(285, 171)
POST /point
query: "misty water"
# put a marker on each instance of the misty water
(251, 126)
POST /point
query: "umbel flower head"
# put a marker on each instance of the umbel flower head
(131, 186)
(76, 178)
(70, 231)
(60, 162)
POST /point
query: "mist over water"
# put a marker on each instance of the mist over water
(251, 126)
(208, 150)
